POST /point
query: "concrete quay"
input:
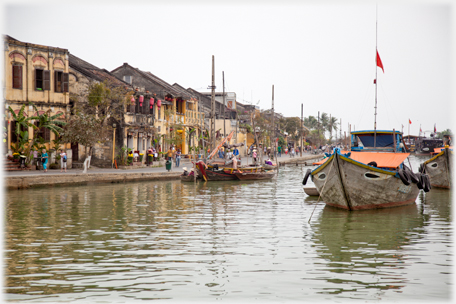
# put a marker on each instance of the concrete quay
(14, 180)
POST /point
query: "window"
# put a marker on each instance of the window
(42, 80)
(61, 81)
(128, 79)
(14, 137)
(43, 132)
(17, 77)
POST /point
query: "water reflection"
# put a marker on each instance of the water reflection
(370, 242)
(217, 241)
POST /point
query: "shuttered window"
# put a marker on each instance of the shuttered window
(61, 81)
(43, 132)
(17, 77)
(66, 81)
(42, 80)
(47, 80)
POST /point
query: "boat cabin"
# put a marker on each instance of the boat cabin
(380, 140)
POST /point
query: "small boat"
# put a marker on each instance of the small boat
(270, 167)
(427, 145)
(439, 167)
(311, 191)
(259, 175)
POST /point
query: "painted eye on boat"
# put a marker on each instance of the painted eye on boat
(322, 176)
(371, 175)
(433, 165)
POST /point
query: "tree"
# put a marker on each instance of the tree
(89, 126)
(21, 127)
(85, 130)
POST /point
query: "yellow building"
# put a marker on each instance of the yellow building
(37, 74)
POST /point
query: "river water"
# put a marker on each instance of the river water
(259, 241)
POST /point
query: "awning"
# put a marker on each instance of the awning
(383, 159)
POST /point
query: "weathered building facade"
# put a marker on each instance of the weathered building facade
(82, 75)
(34, 74)
(174, 110)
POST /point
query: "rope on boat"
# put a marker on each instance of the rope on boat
(320, 192)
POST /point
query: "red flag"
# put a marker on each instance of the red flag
(435, 129)
(410, 122)
(379, 62)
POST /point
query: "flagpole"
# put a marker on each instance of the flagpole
(409, 127)
(376, 63)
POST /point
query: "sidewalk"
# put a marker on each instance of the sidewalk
(29, 179)
(184, 163)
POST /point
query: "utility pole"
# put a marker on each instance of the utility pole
(272, 137)
(340, 124)
(213, 107)
(302, 112)
(224, 106)
(318, 124)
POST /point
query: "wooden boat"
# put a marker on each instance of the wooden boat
(427, 145)
(189, 178)
(311, 191)
(259, 175)
(216, 173)
(270, 167)
(348, 182)
(439, 168)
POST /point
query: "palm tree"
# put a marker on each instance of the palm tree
(22, 122)
(310, 122)
(332, 125)
(48, 121)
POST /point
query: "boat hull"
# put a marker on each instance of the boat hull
(348, 184)
(255, 175)
(438, 168)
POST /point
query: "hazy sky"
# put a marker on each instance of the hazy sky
(318, 53)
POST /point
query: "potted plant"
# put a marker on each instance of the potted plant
(141, 155)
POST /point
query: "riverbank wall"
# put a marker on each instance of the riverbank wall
(25, 180)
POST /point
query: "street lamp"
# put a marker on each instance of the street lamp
(113, 142)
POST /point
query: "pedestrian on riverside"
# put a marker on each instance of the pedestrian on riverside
(169, 154)
(178, 157)
(44, 159)
(234, 162)
(254, 155)
(279, 151)
(63, 160)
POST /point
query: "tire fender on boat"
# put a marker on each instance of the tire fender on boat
(427, 183)
(415, 179)
(405, 177)
(420, 183)
(304, 181)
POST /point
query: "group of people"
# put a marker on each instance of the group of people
(44, 160)
(174, 153)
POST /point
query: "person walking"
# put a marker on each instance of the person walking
(178, 157)
(63, 161)
(44, 159)
(169, 154)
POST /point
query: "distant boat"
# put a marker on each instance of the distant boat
(439, 167)
(427, 145)
(259, 175)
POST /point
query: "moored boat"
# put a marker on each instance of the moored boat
(439, 167)
(348, 182)
(252, 175)
(427, 145)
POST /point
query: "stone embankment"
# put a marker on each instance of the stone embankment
(24, 180)
(28, 181)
